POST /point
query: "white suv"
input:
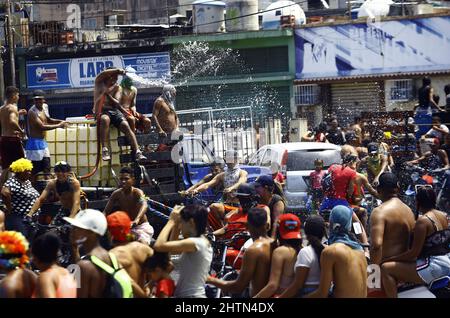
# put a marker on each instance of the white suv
(296, 160)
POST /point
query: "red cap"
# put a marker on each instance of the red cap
(119, 226)
(289, 226)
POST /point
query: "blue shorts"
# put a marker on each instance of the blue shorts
(330, 203)
(433, 267)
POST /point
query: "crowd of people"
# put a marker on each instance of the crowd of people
(118, 254)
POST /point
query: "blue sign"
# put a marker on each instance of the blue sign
(373, 48)
(81, 72)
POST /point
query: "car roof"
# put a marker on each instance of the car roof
(293, 146)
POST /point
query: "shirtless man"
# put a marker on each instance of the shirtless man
(132, 201)
(19, 282)
(164, 115)
(128, 101)
(255, 270)
(10, 143)
(342, 253)
(131, 255)
(65, 188)
(38, 123)
(88, 227)
(391, 223)
(107, 97)
(230, 180)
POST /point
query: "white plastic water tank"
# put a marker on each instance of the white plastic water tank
(374, 8)
(242, 15)
(209, 16)
(273, 13)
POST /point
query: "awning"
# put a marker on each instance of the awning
(370, 77)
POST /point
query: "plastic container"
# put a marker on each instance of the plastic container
(77, 145)
(248, 10)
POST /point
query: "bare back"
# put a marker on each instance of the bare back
(132, 257)
(9, 120)
(397, 221)
(165, 115)
(349, 271)
(19, 283)
(264, 248)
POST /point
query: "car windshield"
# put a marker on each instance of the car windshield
(304, 159)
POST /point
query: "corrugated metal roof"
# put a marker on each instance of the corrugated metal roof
(369, 77)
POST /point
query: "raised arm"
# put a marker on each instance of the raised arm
(107, 73)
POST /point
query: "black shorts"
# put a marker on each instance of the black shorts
(115, 116)
(41, 166)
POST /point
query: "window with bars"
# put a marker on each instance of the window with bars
(306, 94)
(401, 90)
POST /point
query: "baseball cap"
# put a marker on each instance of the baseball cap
(245, 190)
(265, 181)
(350, 135)
(349, 158)
(37, 94)
(289, 227)
(91, 220)
(372, 148)
(388, 180)
(119, 225)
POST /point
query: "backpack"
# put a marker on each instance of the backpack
(327, 182)
(118, 282)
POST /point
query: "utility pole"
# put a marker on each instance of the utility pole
(2, 79)
(10, 43)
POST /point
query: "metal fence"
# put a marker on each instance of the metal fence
(230, 129)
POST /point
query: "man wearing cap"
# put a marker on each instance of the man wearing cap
(377, 163)
(88, 227)
(391, 223)
(255, 268)
(284, 257)
(135, 120)
(38, 123)
(65, 188)
(131, 255)
(434, 159)
(265, 187)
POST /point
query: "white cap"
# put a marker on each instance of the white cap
(89, 219)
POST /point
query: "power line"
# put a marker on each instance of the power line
(218, 21)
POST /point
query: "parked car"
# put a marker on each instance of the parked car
(296, 160)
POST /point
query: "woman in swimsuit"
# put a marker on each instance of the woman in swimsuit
(429, 257)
